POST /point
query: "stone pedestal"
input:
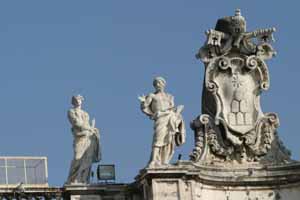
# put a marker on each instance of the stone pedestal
(187, 181)
(85, 197)
(99, 192)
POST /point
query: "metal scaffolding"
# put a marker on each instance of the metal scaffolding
(29, 171)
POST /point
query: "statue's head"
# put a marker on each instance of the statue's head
(77, 100)
(233, 25)
(159, 83)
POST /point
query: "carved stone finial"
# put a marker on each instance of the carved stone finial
(238, 12)
(235, 129)
(238, 16)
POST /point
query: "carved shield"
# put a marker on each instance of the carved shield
(236, 84)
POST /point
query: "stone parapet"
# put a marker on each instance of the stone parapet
(195, 182)
(100, 192)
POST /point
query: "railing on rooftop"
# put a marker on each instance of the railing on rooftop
(29, 171)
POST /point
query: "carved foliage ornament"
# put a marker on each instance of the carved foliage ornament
(233, 126)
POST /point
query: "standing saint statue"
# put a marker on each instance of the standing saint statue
(169, 128)
(86, 143)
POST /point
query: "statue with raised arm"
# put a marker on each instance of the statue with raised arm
(86, 143)
(169, 128)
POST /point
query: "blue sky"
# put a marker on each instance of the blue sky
(109, 52)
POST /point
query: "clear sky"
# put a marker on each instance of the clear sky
(109, 52)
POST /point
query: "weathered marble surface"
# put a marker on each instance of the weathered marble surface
(30, 192)
(169, 128)
(186, 181)
(108, 191)
(85, 197)
(86, 143)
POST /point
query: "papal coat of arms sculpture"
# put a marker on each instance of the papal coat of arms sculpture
(233, 128)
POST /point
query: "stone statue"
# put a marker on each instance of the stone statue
(169, 128)
(233, 127)
(86, 143)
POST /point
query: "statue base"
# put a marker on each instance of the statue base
(99, 192)
(188, 181)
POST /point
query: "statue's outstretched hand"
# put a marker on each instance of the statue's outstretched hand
(142, 98)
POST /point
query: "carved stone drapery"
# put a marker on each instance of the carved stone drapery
(233, 127)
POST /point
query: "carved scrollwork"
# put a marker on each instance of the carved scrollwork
(273, 119)
(264, 85)
(204, 119)
(212, 86)
(251, 62)
(208, 140)
(198, 125)
(224, 63)
(256, 63)
(209, 74)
